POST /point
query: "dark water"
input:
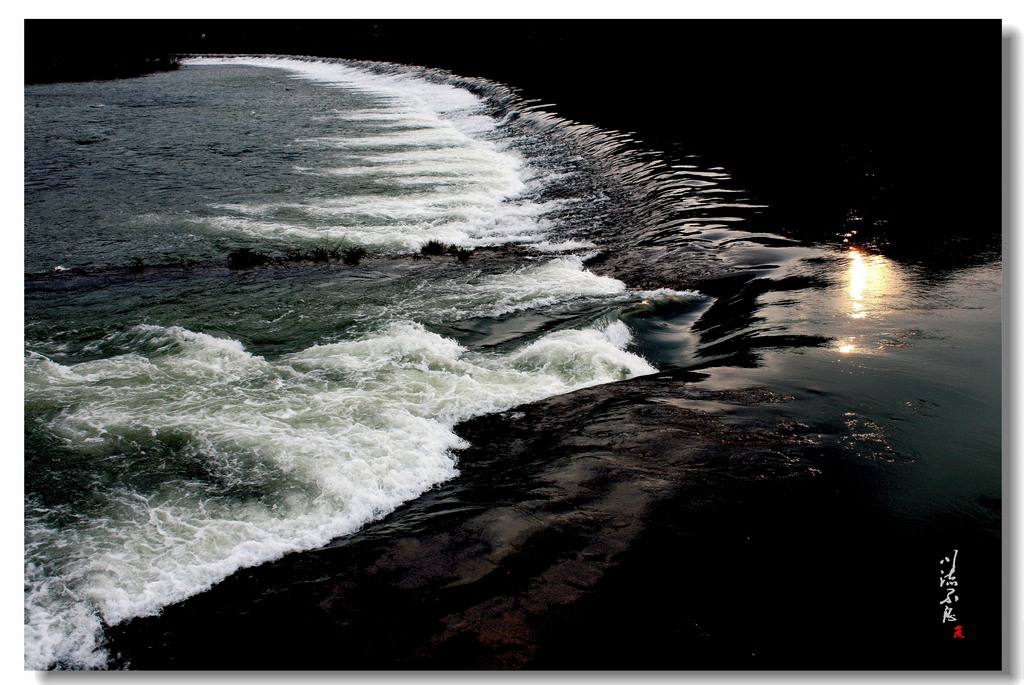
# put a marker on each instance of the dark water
(634, 430)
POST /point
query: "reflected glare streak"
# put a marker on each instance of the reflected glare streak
(871, 281)
(858, 282)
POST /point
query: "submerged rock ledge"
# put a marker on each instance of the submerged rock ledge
(637, 525)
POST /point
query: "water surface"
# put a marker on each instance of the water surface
(186, 419)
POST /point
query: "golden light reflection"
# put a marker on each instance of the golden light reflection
(847, 349)
(858, 281)
(870, 280)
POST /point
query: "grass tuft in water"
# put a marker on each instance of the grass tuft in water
(352, 255)
(246, 258)
(434, 248)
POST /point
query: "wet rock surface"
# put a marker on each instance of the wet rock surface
(639, 525)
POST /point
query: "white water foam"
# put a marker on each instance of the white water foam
(557, 285)
(471, 186)
(322, 441)
(201, 458)
(397, 224)
(545, 285)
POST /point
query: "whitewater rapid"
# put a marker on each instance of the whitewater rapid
(199, 456)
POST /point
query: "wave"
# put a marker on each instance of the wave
(190, 457)
(437, 162)
(235, 460)
(491, 168)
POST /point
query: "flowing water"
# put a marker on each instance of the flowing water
(186, 418)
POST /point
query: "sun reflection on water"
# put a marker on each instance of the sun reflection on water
(858, 282)
(871, 280)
